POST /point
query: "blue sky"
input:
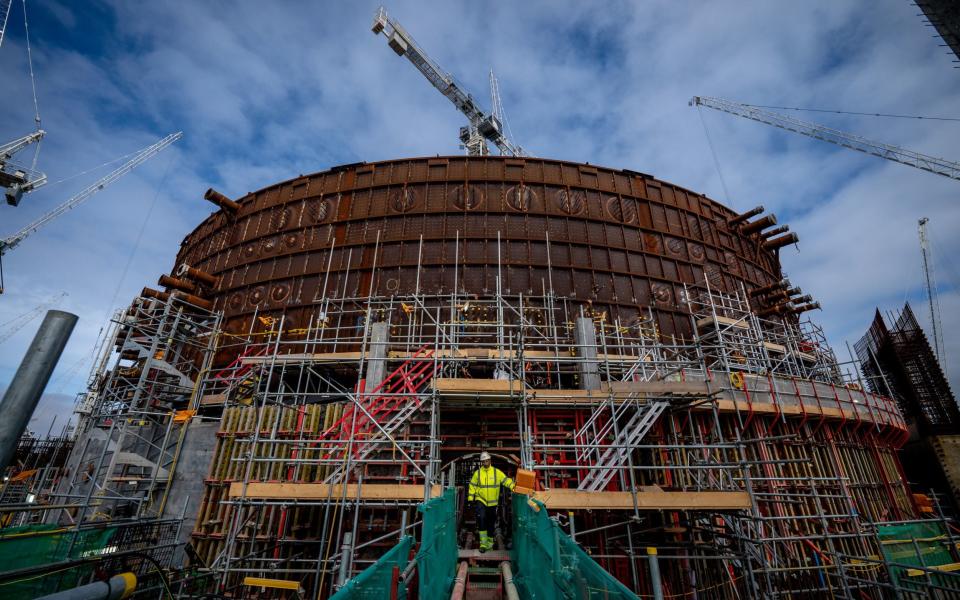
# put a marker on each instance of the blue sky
(265, 91)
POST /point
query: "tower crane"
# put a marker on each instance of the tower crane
(19, 322)
(917, 160)
(12, 241)
(15, 178)
(482, 127)
(931, 288)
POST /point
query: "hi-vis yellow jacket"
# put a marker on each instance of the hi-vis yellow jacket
(485, 485)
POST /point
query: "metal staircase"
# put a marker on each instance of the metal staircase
(606, 459)
(383, 411)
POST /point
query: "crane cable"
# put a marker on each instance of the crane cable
(33, 84)
(850, 112)
(716, 160)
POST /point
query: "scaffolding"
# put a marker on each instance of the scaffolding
(752, 460)
(747, 454)
(38, 464)
(134, 414)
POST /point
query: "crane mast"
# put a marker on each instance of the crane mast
(917, 160)
(481, 126)
(931, 289)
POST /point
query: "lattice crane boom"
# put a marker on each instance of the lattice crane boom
(482, 127)
(19, 322)
(139, 158)
(911, 158)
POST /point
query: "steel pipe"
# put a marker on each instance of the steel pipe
(780, 242)
(508, 585)
(116, 588)
(195, 300)
(178, 284)
(733, 221)
(782, 284)
(152, 293)
(775, 231)
(806, 307)
(761, 223)
(198, 275)
(460, 583)
(773, 310)
(222, 201)
(31, 378)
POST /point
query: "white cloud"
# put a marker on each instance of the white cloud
(264, 92)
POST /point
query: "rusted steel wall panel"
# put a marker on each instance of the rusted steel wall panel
(620, 240)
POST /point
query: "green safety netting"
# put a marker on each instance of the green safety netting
(374, 582)
(917, 545)
(437, 558)
(33, 545)
(548, 564)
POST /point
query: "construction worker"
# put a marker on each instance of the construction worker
(485, 491)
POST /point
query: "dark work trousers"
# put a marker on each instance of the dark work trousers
(486, 518)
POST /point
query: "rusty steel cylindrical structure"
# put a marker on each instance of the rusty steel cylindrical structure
(759, 224)
(618, 240)
(220, 200)
(178, 284)
(780, 242)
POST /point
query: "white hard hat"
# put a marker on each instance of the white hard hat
(484, 456)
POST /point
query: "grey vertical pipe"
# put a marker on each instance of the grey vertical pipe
(655, 574)
(345, 551)
(31, 379)
(585, 336)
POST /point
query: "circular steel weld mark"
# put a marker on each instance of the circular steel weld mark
(675, 246)
(257, 295)
(236, 301)
(571, 202)
(269, 245)
(280, 292)
(466, 197)
(695, 251)
(651, 242)
(403, 200)
(661, 293)
(520, 197)
(320, 210)
(279, 218)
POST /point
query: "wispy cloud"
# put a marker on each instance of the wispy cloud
(265, 91)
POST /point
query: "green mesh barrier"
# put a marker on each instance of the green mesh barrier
(917, 545)
(376, 581)
(548, 564)
(437, 558)
(34, 545)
